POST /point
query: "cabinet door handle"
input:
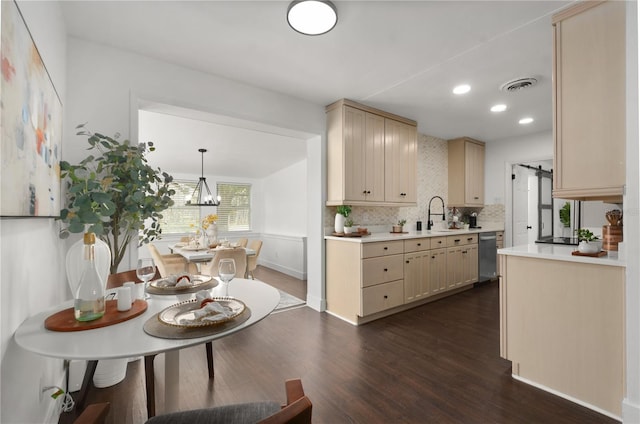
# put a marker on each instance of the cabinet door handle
(476, 198)
(457, 240)
(464, 251)
(385, 270)
(368, 192)
(386, 248)
(408, 262)
(364, 191)
(419, 244)
(470, 238)
(386, 297)
(433, 257)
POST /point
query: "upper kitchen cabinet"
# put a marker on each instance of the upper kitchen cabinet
(589, 101)
(371, 156)
(400, 159)
(466, 172)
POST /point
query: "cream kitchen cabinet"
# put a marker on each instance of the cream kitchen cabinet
(371, 156)
(466, 172)
(437, 271)
(364, 278)
(462, 260)
(499, 239)
(416, 269)
(400, 159)
(589, 101)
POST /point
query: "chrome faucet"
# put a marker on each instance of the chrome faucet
(429, 221)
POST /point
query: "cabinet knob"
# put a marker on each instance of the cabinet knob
(386, 297)
(433, 257)
(408, 262)
(476, 197)
(419, 244)
(364, 191)
(368, 192)
(386, 248)
(385, 270)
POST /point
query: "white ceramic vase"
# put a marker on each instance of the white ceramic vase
(339, 223)
(212, 233)
(590, 246)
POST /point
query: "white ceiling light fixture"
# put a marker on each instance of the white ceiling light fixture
(525, 121)
(461, 89)
(312, 17)
(498, 108)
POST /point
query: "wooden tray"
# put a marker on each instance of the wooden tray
(593, 255)
(350, 234)
(66, 321)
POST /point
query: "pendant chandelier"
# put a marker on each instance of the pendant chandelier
(201, 196)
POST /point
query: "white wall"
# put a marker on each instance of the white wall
(31, 260)
(500, 153)
(126, 79)
(285, 201)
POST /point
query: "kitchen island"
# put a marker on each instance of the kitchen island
(383, 273)
(562, 323)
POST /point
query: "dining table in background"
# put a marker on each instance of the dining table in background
(204, 254)
(128, 339)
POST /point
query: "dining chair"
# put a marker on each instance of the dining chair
(242, 242)
(119, 278)
(172, 263)
(239, 255)
(252, 261)
(297, 410)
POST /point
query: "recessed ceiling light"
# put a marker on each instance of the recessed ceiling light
(525, 121)
(312, 17)
(461, 89)
(498, 108)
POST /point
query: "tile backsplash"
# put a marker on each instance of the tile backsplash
(432, 181)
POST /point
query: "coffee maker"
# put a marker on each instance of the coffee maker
(473, 220)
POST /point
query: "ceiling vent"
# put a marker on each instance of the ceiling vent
(518, 84)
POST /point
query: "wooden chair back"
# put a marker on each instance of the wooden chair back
(239, 255)
(242, 242)
(298, 407)
(119, 278)
(252, 261)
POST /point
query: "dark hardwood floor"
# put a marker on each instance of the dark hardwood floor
(437, 363)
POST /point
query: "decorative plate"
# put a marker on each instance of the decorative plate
(197, 281)
(182, 314)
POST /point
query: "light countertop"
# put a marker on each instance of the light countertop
(388, 236)
(561, 252)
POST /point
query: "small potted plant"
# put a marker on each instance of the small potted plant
(397, 228)
(348, 226)
(588, 242)
(342, 212)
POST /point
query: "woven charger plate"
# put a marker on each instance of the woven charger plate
(156, 328)
(172, 290)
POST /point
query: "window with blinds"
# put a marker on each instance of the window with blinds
(180, 218)
(234, 212)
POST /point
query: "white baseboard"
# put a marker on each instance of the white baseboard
(283, 269)
(568, 397)
(630, 412)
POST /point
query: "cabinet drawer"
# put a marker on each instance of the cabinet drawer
(438, 242)
(381, 297)
(462, 239)
(417, 245)
(382, 270)
(370, 250)
(499, 236)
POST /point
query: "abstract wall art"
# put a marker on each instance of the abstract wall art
(30, 125)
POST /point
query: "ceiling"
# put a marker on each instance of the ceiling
(403, 57)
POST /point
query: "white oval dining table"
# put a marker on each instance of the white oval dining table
(128, 339)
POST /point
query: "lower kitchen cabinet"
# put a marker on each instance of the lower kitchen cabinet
(365, 281)
(437, 271)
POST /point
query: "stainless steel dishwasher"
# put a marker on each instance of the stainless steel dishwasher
(487, 256)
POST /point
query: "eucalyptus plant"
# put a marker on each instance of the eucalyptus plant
(115, 194)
